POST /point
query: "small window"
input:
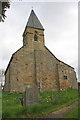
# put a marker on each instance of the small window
(36, 32)
(65, 78)
(35, 37)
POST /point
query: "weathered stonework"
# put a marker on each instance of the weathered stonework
(33, 63)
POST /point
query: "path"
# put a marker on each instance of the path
(60, 113)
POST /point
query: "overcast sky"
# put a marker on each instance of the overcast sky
(60, 21)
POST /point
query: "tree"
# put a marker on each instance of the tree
(2, 77)
(4, 5)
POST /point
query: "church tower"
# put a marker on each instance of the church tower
(33, 35)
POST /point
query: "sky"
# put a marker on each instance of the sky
(60, 21)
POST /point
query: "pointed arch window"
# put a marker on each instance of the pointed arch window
(35, 37)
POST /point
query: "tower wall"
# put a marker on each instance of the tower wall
(28, 38)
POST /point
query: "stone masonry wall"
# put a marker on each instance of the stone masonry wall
(66, 71)
(46, 71)
(22, 70)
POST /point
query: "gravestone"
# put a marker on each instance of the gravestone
(31, 95)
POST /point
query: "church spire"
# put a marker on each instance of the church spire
(34, 31)
(33, 21)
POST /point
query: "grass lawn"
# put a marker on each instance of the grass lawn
(48, 102)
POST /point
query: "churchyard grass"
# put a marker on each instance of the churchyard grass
(0, 104)
(73, 113)
(48, 102)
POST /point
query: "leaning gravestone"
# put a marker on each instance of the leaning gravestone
(31, 95)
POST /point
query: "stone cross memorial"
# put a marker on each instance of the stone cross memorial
(31, 95)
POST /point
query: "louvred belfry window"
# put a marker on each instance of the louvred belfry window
(35, 37)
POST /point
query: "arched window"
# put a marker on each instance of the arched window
(35, 37)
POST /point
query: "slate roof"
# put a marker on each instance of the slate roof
(33, 21)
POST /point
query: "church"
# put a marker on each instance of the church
(35, 64)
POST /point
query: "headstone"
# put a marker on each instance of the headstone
(31, 95)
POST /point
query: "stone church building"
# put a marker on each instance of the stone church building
(34, 63)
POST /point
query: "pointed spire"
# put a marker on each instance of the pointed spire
(33, 21)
